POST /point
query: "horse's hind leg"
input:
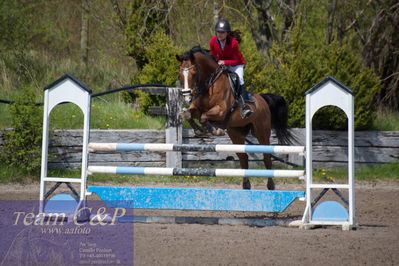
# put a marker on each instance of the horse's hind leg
(237, 136)
(268, 161)
(263, 137)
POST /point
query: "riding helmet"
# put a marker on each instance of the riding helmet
(222, 25)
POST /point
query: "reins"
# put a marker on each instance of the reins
(212, 79)
(215, 75)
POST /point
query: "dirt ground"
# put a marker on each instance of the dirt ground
(375, 242)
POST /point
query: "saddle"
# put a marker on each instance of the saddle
(237, 89)
(234, 83)
(235, 86)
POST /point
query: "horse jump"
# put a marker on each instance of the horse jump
(197, 199)
(328, 92)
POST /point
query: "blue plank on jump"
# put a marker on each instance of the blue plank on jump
(196, 198)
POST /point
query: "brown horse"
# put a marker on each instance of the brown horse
(211, 100)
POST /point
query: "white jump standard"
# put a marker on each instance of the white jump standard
(328, 92)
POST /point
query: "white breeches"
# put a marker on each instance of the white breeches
(239, 69)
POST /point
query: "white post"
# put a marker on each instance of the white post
(85, 143)
(174, 129)
(351, 163)
(45, 142)
(309, 160)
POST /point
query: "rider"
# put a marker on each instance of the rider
(224, 47)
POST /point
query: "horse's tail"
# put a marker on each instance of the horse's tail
(279, 112)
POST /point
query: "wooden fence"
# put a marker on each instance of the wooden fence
(329, 149)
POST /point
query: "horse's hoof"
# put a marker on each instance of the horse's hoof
(219, 132)
(246, 185)
(270, 184)
(199, 133)
(187, 115)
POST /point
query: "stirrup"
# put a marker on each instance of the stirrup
(246, 112)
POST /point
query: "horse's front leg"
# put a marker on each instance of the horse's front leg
(214, 114)
(189, 116)
(213, 130)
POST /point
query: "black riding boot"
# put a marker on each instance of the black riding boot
(244, 98)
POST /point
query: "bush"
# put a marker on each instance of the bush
(162, 68)
(299, 65)
(255, 71)
(22, 145)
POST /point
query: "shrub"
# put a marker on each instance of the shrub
(22, 145)
(161, 68)
(255, 71)
(299, 65)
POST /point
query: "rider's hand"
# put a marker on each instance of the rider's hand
(221, 62)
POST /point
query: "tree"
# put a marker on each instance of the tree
(372, 28)
(16, 19)
(303, 59)
(142, 21)
(380, 48)
(263, 21)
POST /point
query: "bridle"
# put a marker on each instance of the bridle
(188, 93)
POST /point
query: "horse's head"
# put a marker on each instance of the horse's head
(195, 67)
(188, 75)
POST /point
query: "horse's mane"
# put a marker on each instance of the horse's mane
(197, 49)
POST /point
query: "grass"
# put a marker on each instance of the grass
(387, 171)
(382, 172)
(386, 121)
(39, 69)
(105, 115)
(10, 174)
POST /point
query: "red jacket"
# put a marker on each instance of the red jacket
(231, 55)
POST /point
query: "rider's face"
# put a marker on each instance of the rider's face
(221, 35)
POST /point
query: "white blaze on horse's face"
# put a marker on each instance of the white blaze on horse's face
(187, 91)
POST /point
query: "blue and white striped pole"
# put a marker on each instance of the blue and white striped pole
(162, 147)
(195, 172)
